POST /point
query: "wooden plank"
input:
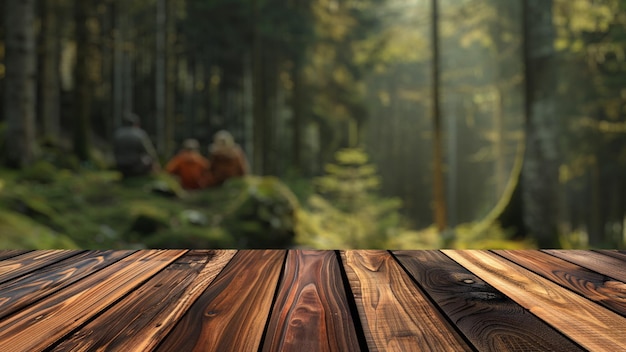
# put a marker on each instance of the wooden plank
(142, 319)
(590, 284)
(394, 313)
(490, 320)
(621, 255)
(9, 253)
(30, 288)
(31, 261)
(311, 312)
(42, 324)
(595, 261)
(231, 314)
(588, 324)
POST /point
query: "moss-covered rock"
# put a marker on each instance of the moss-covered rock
(147, 218)
(265, 215)
(21, 232)
(98, 209)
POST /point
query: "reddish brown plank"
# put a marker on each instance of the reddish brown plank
(231, 314)
(311, 312)
(31, 261)
(596, 287)
(42, 324)
(587, 323)
(394, 313)
(621, 255)
(595, 261)
(143, 318)
(9, 253)
(28, 289)
(490, 320)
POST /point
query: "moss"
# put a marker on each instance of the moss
(191, 237)
(19, 232)
(41, 172)
(147, 218)
(98, 209)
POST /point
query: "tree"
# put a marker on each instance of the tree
(439, 198)
(86, 74)
(50, 88)
(346, 211)
(540, 171)
(20, 85)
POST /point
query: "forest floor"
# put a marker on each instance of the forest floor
(44, 207)
(98, 209)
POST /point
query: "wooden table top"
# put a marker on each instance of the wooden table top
(300, 300)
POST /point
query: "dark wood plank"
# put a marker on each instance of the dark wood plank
(587, 323)
(9, 253)
(144, 317)
(32, 287)
(231, 314)
(394, 313)
(490, 320)
(596, 287)
(311, 312)
(42, 324)
(31, 261)
(595, 261)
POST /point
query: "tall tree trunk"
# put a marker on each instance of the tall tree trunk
(439, 198)
(170, 76)
(20, 88)
(119, 34)
(540, 172)
(258, 144)
(270, 88)
(160, 84)
(50, 86)
(106, 18)
(298, 115)
(499, 143)
(86, 53)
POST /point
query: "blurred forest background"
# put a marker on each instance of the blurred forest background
(367, 123)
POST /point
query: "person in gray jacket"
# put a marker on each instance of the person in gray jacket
(133, 150)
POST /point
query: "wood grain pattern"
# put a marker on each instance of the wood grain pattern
(490, 320)
(589, 324)
(32, 287)
(596, 287)
(394, 313)
(42, 324)
(143, 318)
(621, 255)
(231, 314)
(9, 253)
(311, 312)
(30, 261)
(595, 261)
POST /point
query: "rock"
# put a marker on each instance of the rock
(266, 217)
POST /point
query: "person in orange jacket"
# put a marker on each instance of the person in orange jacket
(227, 159)
(189, 166)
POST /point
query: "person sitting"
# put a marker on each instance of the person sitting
(227, 159)
(133, 150)
(189, 165)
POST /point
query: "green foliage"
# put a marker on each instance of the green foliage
(349, 182)
(347, 213)
(491, 237)
(41, 172)
(21, 232)
(98, 209)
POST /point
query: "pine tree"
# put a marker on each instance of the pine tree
(346, 211)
